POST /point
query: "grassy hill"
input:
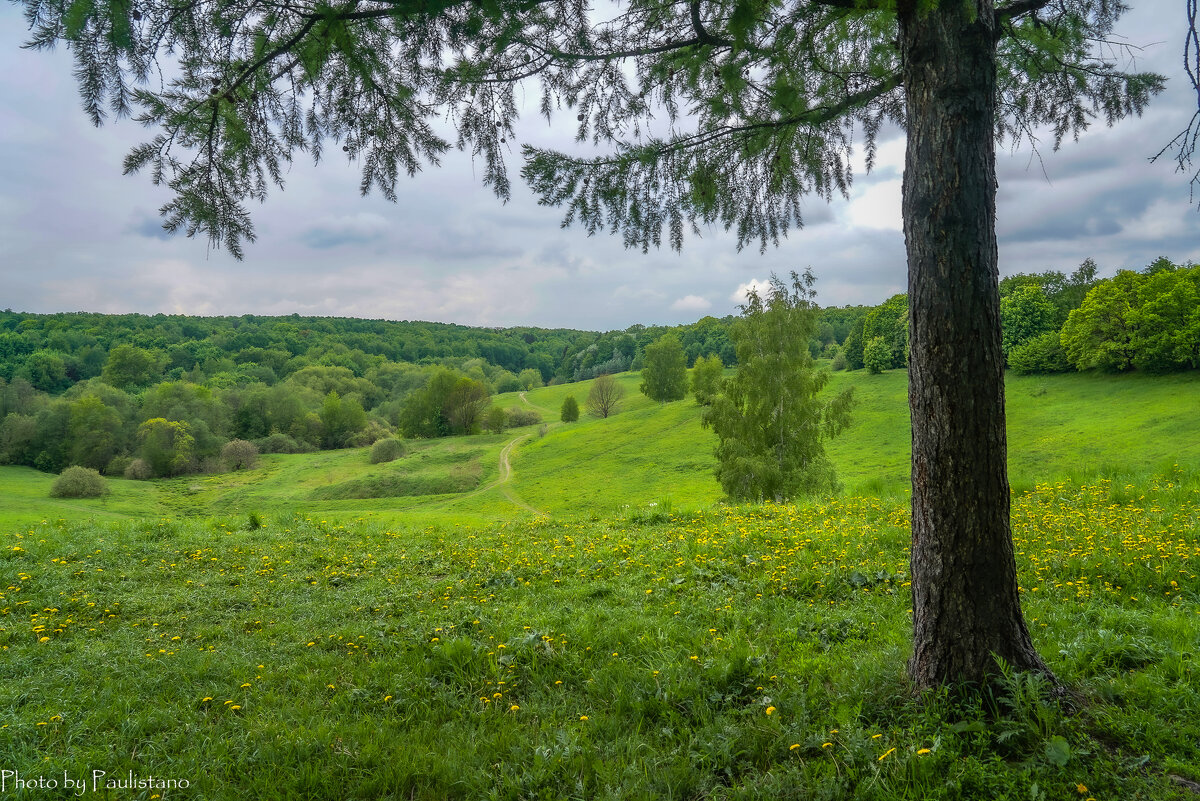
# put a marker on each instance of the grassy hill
(1075, 427)
(591, 623)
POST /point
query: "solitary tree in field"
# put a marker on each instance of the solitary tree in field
(570, 409)
(769, 421)
(766, 97)
(664, 376)
(604, 397)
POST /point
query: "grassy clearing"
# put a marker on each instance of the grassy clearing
(734, 653)
(653, 456)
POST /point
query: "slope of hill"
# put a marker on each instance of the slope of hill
(1067, 426)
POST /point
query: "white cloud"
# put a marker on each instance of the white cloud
(743, 291)
(693, 303)
(877, 206)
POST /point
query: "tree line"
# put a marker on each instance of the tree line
(1054, 322)
(161, 395)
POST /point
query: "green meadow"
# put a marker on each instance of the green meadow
(572, 612)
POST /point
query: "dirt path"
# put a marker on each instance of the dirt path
(505, 477)
(525, 400)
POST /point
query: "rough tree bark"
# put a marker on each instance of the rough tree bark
(965, 599)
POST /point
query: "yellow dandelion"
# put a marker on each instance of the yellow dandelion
(793, 746)
(583, 717)
(923, 751)
(44, 639)
(1081, 788)
(885, 754)
(513, 708)
(244, 686)
(826, 745)
(770, 710)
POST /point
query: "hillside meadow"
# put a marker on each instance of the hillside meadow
(596, 624)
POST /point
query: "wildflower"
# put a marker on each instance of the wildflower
(885, 754)
(770, 710)
(1081, 788)
(583, 717)
(826, 745)
(514, 708)
(793, 746)
(923, 751)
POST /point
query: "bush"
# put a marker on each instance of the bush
(518, 417)
(118, 465)
(570, 409)
(1041, 354)
(877, 356)
(281, 443)
(374, 432)
(139, 469)
(79, 482)
(238, 454)
(386, 450)
(839, 361)
(496, 420)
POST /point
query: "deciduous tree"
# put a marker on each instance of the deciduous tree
(769, 421)
(664, 370)
(706, 378)
(570, 409)
(604, 398)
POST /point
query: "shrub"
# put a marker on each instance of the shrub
(118, 465)
(1041, 354)
(374, 432)
(79, 482)
(496, 420)
(518, 417)
(281, 443)
(839, 361)
(570, 409)
(138, 469)
(386, 450)
(238, 454)
(877, 356)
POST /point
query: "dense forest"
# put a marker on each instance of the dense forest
(159, 395)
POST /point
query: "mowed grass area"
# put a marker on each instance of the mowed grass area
(740, 652)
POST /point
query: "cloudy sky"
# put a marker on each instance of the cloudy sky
(77, 235)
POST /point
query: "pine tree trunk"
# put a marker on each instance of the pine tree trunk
(965, 602)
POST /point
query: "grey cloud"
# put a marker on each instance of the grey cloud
(149, 227)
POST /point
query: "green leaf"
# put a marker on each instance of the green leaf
(1058, 751)
(76, 18)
